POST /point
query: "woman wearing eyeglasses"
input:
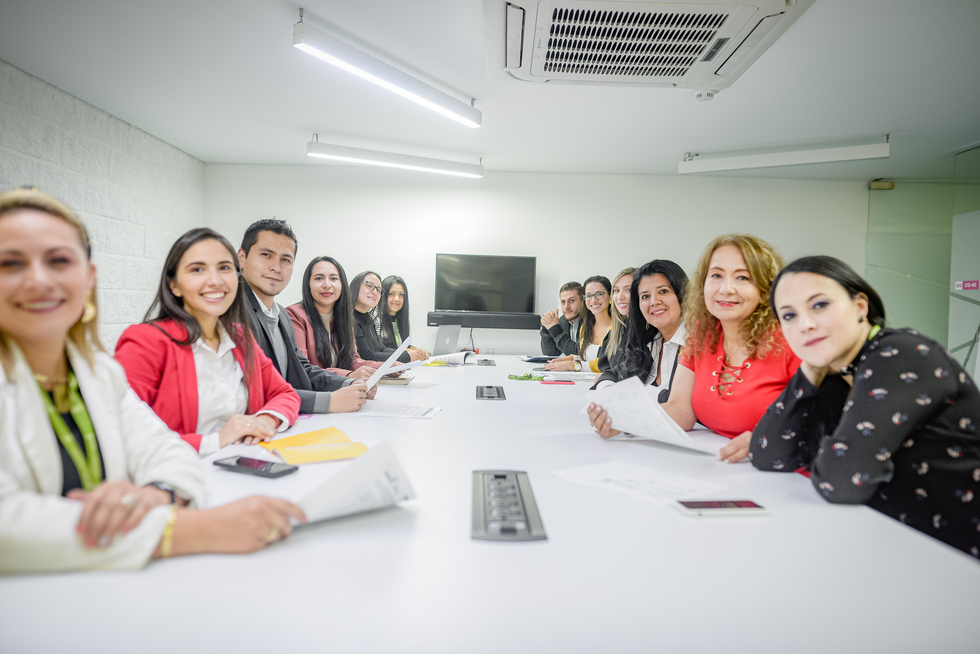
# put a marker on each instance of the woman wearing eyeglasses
(596, 324)
(366, 287)
(90, 478)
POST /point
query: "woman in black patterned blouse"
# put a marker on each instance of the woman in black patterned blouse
(883, 417)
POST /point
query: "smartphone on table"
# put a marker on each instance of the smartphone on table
(257, 467)
(720, 507)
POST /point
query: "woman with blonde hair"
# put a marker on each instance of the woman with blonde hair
(612, 345)
(90, 478)
(735, 362)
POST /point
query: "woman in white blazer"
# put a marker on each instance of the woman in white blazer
(90, 477)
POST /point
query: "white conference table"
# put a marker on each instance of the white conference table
(614, 575)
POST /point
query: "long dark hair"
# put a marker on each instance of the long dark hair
(841, 273)
(588, 321)
(401, 317)
(343, 319)
(170, 307)
(637, 359)
(355, 292)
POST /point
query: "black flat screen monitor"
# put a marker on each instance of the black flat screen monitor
(476, 282)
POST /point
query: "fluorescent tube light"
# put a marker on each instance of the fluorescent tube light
(692, 164)
(334, 51)
(392, 160)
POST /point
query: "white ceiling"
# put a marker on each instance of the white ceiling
(220, 80)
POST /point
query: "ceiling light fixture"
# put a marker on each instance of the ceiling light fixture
(334, 51)
(392, 160)
(693, 163)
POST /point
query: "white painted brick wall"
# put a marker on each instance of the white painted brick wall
(134, 192)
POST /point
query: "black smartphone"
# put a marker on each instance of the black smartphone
(256, 467)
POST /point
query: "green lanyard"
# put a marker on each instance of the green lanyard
(89, 472)
(874, 330)
(398, 338)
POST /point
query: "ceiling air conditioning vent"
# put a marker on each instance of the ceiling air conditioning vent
(680, 44)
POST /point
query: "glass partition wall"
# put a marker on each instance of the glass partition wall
(964, 286)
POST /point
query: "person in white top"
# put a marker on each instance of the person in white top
(655, 331)
(90, 477)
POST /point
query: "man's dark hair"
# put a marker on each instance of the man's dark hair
(572, 286)
(273, 225)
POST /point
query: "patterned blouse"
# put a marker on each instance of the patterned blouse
(902, 440)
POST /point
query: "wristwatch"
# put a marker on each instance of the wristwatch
(166, 488)
(577, 366)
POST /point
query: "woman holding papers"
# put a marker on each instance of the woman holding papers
(196, 363)
(654, 333)
(395, 326)
(596, 323)
(735, 361)
(366, 288)
(879, 416)
(90, 478)
(324, 321)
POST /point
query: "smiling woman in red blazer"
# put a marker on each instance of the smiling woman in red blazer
(196, 363)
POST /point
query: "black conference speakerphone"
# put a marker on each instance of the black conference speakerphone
(490, 393)
(504, 507)
(486, 362)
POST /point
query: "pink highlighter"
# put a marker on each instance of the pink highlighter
(561, 382)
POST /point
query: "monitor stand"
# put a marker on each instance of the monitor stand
(447, 340)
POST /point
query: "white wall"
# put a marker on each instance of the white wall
(576, 225)
(134, 192)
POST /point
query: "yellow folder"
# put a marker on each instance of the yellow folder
(328, 444)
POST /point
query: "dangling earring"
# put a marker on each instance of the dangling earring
(90, 309)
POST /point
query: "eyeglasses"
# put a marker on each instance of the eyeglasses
(371, 287)
(598, 296)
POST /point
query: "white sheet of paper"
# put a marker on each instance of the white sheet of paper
(375, 480)
(380, 409)
(570, 375)
(383, 370)
(639, 482)
(407, 366)
(454, 359)
(634, 409)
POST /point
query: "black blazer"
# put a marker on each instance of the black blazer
(369, 344)
(305, 378)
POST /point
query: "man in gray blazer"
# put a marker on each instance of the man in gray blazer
(559, 332)
(266, 259)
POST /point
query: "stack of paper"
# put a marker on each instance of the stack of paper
(454, 359)
(329, 444)
(634, 409)
(374, 481)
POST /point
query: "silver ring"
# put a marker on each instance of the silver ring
(128, 501)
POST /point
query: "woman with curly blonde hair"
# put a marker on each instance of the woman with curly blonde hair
(735, 362)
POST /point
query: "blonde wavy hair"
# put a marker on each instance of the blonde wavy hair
(758, 330)
(618, 329)
(84, 335)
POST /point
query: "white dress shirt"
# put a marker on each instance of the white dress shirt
(221, 391)
(670, 351)
(658, 348)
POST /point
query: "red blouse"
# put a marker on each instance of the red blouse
(731, 409)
